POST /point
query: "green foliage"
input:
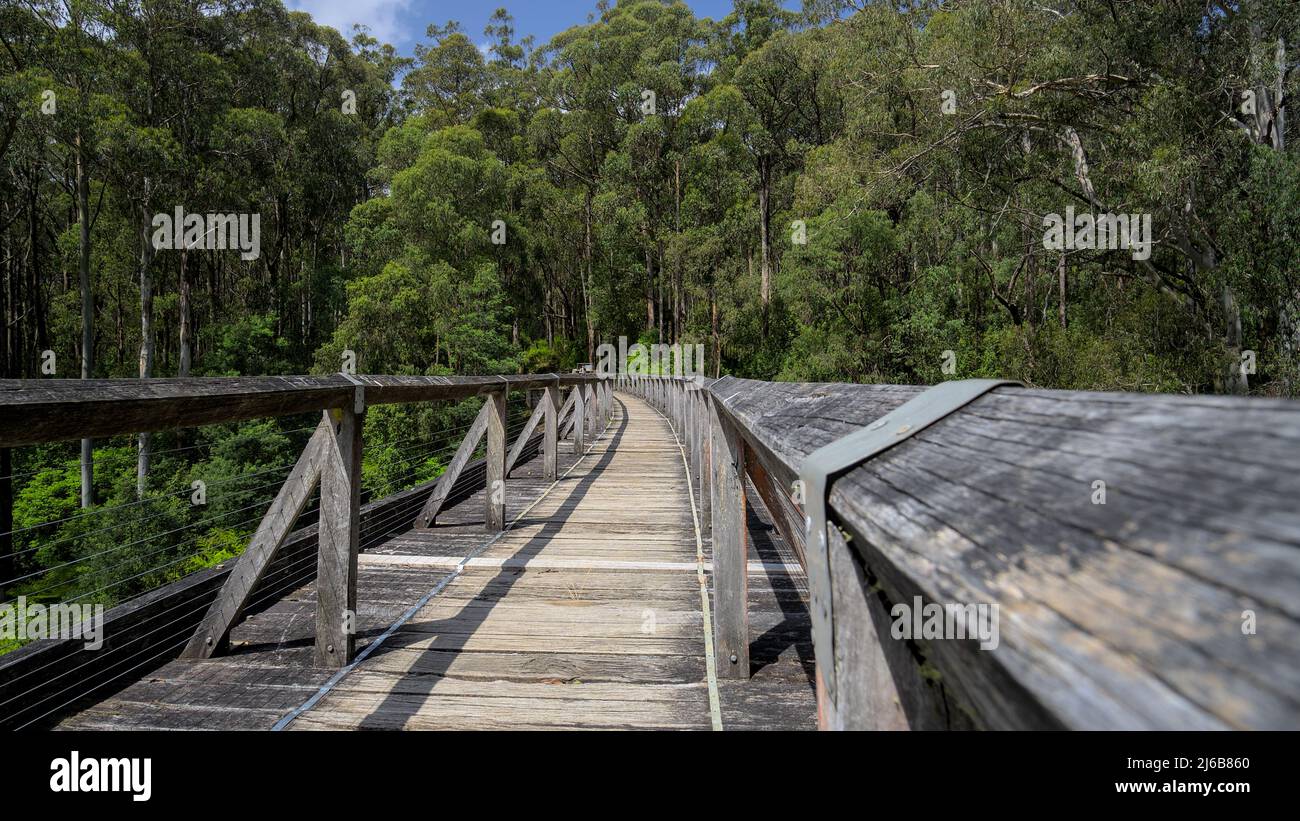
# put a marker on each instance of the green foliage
(851, 192)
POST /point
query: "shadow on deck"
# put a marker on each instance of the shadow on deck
(585, 614)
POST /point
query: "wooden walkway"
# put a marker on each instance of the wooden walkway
(587, 613)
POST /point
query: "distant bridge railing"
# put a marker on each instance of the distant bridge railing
(193, 617)
(1139, 554)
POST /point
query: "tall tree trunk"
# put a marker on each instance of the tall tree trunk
(717, 337)
(679, 277)
(7, 566)
(649, 291)
(186, 339)
(1060, 280)
(1235, 378)
(87, 317)
(146, 334)
(765, 231)
(586, 282)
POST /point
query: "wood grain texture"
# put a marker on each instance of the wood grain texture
(339, 540)
(550, 432)
(730, 576)
(582, 647)
(578, 424)
(1127, 614)
(49, 410)
(267, 540)
(495, 459)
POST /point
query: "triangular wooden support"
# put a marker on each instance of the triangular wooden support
(567, 415)
(214, 631)
(429, 513)
(518, 446)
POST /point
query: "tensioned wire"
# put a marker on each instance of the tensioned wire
(289, 577)
(426, 598)
(423, 452)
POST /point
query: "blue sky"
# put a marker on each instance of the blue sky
(403, 22)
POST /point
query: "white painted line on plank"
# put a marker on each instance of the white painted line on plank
(710, 663)
(539, 563)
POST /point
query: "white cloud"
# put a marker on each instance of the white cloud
(380, 15)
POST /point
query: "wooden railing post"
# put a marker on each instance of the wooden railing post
(693, 426)
(339, 538)
(579, 426)
(213, 632)
(706, 462)
(592, 409)
(496, 462)
(730, 548)
(550, 432)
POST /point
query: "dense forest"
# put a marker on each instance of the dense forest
(855, 191)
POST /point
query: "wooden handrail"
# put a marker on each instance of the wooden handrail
(1142, 552)
(33, 411)
(36, 411)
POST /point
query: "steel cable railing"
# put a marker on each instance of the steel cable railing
(132, 552)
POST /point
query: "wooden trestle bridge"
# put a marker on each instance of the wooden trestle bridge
(661, 552)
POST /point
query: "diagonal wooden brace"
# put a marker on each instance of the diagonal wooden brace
(214, 631)
(429, 514)
(518, 446)
(566, 414)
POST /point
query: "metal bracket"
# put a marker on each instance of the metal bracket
(835, 458)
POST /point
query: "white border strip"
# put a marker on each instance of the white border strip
(539, 563)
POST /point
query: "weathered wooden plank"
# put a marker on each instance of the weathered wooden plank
(579, 420)
(496, 461)
(550, 432)
(784, 513)
(1127, 614)
(592, 406)
(340, 529)
(730, 579)
(864, 652)
(429, 513)
(48, 410)
(271, 533)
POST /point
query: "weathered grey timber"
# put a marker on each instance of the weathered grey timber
(495, 457)
(340, 532)
(550, 431)
(524, 434)
(730, 548)
(44, 680)
(1134, 613)
(49, 410)
(267, 540)
(579, 420)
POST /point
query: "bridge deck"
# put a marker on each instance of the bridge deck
(586, 613)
